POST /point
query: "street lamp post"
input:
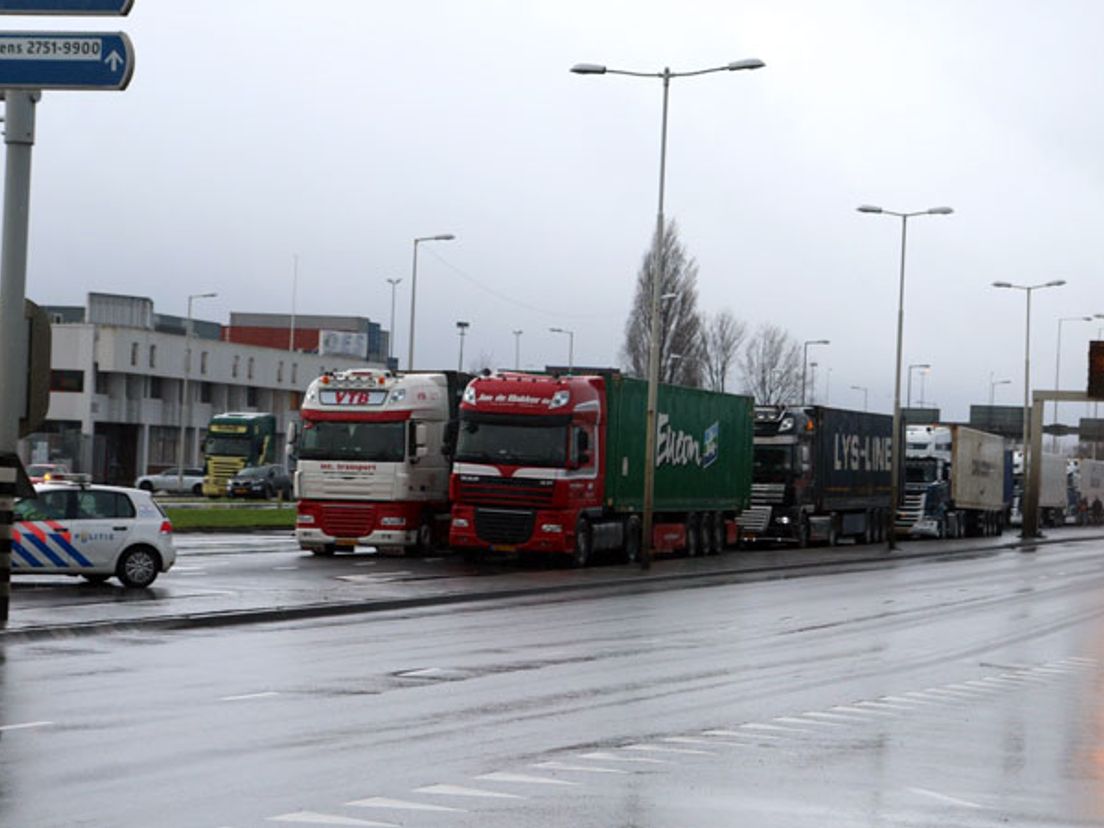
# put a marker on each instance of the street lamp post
(391, 334)
(805, 361)
(1028, 290)
(1058, 368)
(908, 396)
(185, 400)
(865, 393)
(993, 386)
(895, 483)
(414, 289)
(570, 346)
(462, 327)
(517, 349)
(659, 270)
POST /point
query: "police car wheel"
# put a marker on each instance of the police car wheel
(145, 486)
(95, 577)
(138, 567)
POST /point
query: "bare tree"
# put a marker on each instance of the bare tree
(722, 336)
(680, 324)
(771, 366)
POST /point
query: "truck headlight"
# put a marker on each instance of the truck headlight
(461, 523)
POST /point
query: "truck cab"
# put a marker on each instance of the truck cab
(782, 475)
(925, 510)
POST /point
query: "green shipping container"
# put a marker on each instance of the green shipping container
(703, 449)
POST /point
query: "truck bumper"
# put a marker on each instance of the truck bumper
(346, 524)
(925, 528)
(512, 530)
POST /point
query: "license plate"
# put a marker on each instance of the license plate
(503, 547)
(345, 544)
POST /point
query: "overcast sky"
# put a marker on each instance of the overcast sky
(342, 129)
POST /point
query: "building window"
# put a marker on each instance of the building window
(251, 396)
(280, 371)
(153, 356)
(134, 353)
(67, 381)
(163, 444)
(294, 373)
(155, 388)
(236, 366)
(203, 362)
(103, 385)
(249, 369)
(205, 392)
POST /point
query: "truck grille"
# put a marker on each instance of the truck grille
(754, 519)
(911, 511)
(505, 491)
(504, 525)
(765, 494)
(352, 521)
(221, 469)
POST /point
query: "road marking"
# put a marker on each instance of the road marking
(400, 805)
(689, 740)
(742, 734)
(845, 709)
(284, 568)
(903, 700)
(460, 790)
(565, 766)
(23, 726)
(1051, 670)
(365, 563)
(523, 779)
(970, 692)
(954, 694)
(757, 726)
(602, 756)
(878, 705)
(816, 714)
(1001, 681)
(1079, 660)
(800, 721)
(661, 749)
(315, 818)
(950, 800)
(1025, 677)
(246, 696)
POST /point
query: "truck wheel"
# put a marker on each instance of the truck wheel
(802, 532)
(833, 534)
(705, 533)
(583, 543)
(631, 548)
(718, 533)
(324, 551)
(424, 544)
(693, 536)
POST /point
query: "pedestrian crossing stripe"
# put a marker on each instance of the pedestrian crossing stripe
(32, 542)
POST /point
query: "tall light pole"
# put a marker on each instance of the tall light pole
(805, 361)
(185, 400)
(812, 396)
(570, 346)
(1058, 369)
(414, 289)
(462, 328)
(294, 292)
(865, 393)
(1028, 290)
(895, 483)
(908, 395)
(517, 349)
(993, 387)
(391, 333)
(659, 270)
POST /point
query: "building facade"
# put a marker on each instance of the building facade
(117, 403)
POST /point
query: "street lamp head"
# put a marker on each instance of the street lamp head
(747, 63)
(463, 325)
(588, 69)
(940, 211)
(1002, 284)
(203, 296)
(444, 237)
(1055, 283)
(556, 330)
(869, 208)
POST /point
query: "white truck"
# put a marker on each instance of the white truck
(1053, 490)
(373, 452)
(955, 482)
(1087, 479)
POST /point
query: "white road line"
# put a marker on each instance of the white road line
(833, 717)
(769, 728)
(400, 805)
(950, 800)
(284, 568)
(460, 790)
(315, 818)
(740, 734)
(1058, 670)
(602, 756)
(878, 705)
(962, 688)
(804, 722)
(903, 700)
(365, 563)
(565, 766)
(689, 740)
(662, 749)
(246, 696)
(1003, 682)
(977, 684)
(845, 709)
(23, 726)
(1080, 660)
(523, 779)
(1025, 677)
(950, 694)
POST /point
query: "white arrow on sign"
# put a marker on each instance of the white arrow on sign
(113, 60)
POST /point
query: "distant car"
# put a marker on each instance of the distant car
(93, 531)
(42, 472)
(260, 481)
(169, 481)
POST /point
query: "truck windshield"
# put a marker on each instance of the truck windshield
(919, 471)
(228, 446)
(518, 445)
(327, 440)
(773, 464)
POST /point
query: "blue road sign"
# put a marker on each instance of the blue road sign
(67, 7)
(65, 60)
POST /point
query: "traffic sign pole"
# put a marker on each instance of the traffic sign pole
(19, 135)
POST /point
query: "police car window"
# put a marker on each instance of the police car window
(37, 508)
(97, 505)
(59, 504)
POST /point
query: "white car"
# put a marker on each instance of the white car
(92, 531)
(169, 481)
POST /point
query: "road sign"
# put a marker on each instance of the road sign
(1096, 369)
(65, 60)
(66, 7)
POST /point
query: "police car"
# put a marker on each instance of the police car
(96, 532)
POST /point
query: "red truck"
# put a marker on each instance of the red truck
(554, 464)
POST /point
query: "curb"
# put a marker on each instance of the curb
(642, 583)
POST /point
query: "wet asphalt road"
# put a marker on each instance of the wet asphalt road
(961, 692)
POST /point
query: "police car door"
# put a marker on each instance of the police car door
(104, 521)
(43, 540)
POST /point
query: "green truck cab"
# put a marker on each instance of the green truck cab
(236, 440)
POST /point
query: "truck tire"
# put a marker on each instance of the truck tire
(693, 536)
(630, 550)
(424, 543)
(833, 534)
(584, 542)
(802, 532)
(719, 534)
(705, 534)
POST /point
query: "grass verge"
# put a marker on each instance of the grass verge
(223, 520)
